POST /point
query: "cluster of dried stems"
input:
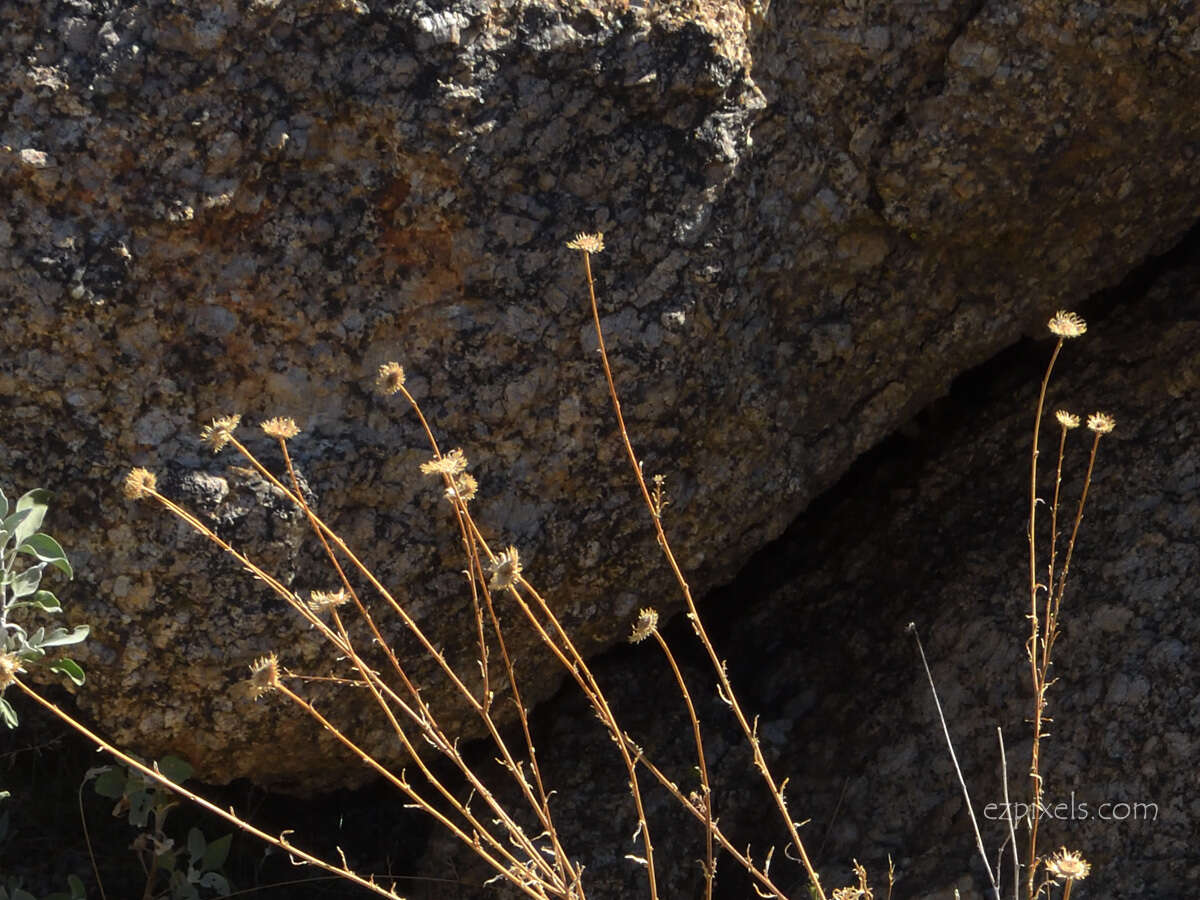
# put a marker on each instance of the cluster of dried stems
(1065, 865)
(533, 859)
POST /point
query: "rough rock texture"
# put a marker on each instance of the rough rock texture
(931, 530)
(816, 217)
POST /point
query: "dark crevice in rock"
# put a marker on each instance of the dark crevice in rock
(900, 454)
(1140, 280)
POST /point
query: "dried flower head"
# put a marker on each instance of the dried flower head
(464, 488)
(1068, 864)
(140, 483)
(505, 570)
(280, 428)
(644, 625)
(1067, 324)
(588, 243)
(219, 433)
(658, 495)
(323, 601)
(452, 464)
(390, 378)
(856, 892)
(1101, 423)
(10, 667)
(1066, 419)
(264, 676)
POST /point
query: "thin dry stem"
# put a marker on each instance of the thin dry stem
(471, 840)
(727, 691)
(706, 795)
(422, 716)
(427, 721)
(1034, 636)
(228, 815)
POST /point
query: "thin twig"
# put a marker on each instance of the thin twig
(912, 629)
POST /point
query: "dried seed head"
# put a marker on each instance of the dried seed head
(218, 434)
(1068, 864)
(644, 625)
(280, 428)
(1066, 419)
(1101, 423)
(658, 495)
(10, 667)
(848, 893)
(1067, 324)
(588, 243)
(464, 488)
(323, 601)
(390, 378)
(452, 464)
(505, 570)
(264, 675)
(140, 483)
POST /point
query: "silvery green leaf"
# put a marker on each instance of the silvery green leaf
(176, 769)
(70, 668)
(11, 522)
(75, 886)
(48, 550)
(60, 637)
(216, 882)
(216, 853)
(141, 804)
(3, 505)
(36, 501)
(25, 583)
(196, 844)
(46, 600)
(110, 781)
(8, 715)
(15, 638)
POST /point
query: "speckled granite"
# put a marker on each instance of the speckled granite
(816, 216)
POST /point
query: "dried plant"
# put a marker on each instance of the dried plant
(523, 845)
(1045, 606)
(1044, 624)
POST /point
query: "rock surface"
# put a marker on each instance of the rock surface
(816, 217)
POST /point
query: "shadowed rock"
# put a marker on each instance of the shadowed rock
(815, 219)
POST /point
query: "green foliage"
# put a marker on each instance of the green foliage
(25, 555)
(175, 871)
(14, 891)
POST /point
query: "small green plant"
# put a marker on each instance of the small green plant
(25, 553)
(180, 872)
(14, 891)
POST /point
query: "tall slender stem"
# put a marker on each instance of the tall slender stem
(726, 688)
